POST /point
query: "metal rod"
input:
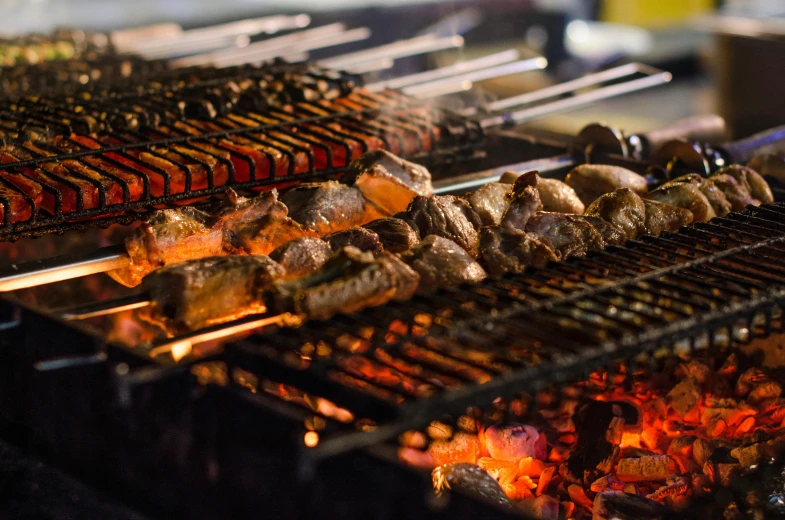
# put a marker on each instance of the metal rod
(529, 114)
(425, 90)
(395, 50)
(94, 310)
(188, 48)
(444, 72)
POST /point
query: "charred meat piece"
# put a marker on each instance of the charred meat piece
(442, 263)
(261, 236)
(750, 179)
(524, 200)
(168, 237)
(361, 238)
(239, 212)
(350, 281)
(662, 217)
(719, 202)
(327, 207)
(511, 251)
(569, 235)
(559, 197)
(210, 290)
(446, 216)
(490, 201)
(302, 256)
(470, 479)
(737, 194)
(388, 181)
(592, 180)
(395, 234)
(612, 235)
(686, 196)
(624, 209)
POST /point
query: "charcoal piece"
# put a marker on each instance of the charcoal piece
(200, 292)
(395, 234)
(470, 479)
(624, 209)
(524, 201)
(301, 256)
(490, 202)
(446, 216)
(442, 263)
(511, 251)
(348, 282)
(597, 444)
(569, 235)
(661, 217)
(611, 504)
(361, 238)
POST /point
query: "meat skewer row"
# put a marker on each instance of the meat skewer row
(298, 277)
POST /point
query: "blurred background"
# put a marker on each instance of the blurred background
(727, 56)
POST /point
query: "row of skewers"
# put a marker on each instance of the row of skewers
(336, 247)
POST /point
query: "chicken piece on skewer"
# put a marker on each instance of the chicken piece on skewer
(661, 217)
(490, 201)
(387, 181)
(302, 256)
(737, 194)
(719, 202)
(168, 237)
(446, 216)
(327, 207)
(442, 263)
(361, 238)
(592, 180)
(686, 196)
(524, 201)
(612, 235)
(507, 250)
(395, 234)
(750, 179)
(348, 282)
(624, 209)
(556, 196)
(569, 235)
(201, 292)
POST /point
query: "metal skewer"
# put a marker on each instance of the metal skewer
(395, 50)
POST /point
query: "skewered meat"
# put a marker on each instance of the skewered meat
(361, 238)
(446, 216)
(395, 234)
(559, 197)
(442, 263)
(610, 233)
(388, 181)
(168, 237)
(241, 211)
(490, 201)
(326, 207)
(622, 208)
(751, 180)
(262, 235)
(686, 196)
(736, 193)
(301, 256)
(662, 217)
(199, 292)
(511, 251)
(719, 202)
(350, 281)
(592, 180)
(769, 165)
(524, 200)
(569, 235)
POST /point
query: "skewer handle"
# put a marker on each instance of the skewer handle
(709, 128)
(64, 267)
(744, 150)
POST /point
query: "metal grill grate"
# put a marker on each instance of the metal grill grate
(405, 363)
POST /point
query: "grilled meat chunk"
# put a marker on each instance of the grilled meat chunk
(196, 293)
(302, 256)
(361, 238)
(490, 201)
(446, 216)
(719, 202)
(592, 180)
(686, 196)
(511, 250)
(442, 263)
(348, 282)
(737, 193)
(261, 236)
(327, 207)
(662, 217)
(470, 479)
(559, 197)
(569, 235)
(395, 234)
(524, 200)
(389, 182)
(612, 235)
(168, 237)
(624, 209)
(750, 179)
